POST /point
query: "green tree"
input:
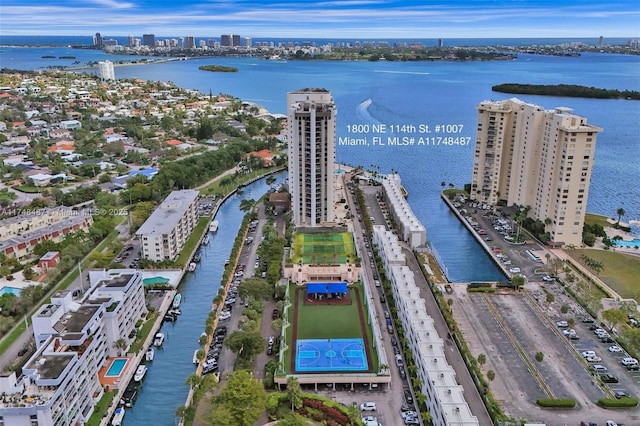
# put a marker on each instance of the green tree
(482, 359)
(539, 356)
(550, 298)
(518, 281)
(294, 392)
(614, 317)
(246, 344)
(491, 375)
(247, 204)
(241, 401)
(255, 288)
(292, 419)
(620, 212)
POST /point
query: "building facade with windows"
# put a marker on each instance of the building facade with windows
(311, 131)
(528, 156)
(166, 231)
(106, 71)
(60, 385)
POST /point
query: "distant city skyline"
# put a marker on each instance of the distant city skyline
(372, 19)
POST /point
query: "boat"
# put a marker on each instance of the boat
(130, 395)
(169, 317)
(175, 312)
(117, 417)
(195, 357)
(196, 258)
(205, 240)
(149, 354)
(226, 262)
(176, 301)
(158, 340)
(140, 373)
(192, 266)
(213, 227)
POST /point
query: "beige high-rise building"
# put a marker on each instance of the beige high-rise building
(311, 130)
(528, 156)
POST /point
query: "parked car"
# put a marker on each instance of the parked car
(615, 348)
(608, 378)
(368, 406)
(275, 314)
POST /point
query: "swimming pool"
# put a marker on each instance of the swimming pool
(155, 280)
(116, 367)
(10, 290)
(633, 243)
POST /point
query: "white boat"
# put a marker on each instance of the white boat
(176, 301)
(192, 266)
(205, 240)
(117, 417)
(140, 373)
(213, 227)
(158, 340)
(195, 357)
(150, 354)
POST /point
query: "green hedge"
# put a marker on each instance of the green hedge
(556, 403)
(481, 290)
(617, 403)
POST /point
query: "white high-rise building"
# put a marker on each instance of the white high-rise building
(311, 131)
(106, 71)
(528, 156)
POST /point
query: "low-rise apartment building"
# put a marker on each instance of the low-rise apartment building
(408, 225)
(20, 234)
(59, 384)
(165, 232)
(445, 397)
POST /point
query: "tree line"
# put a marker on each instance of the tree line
(567, 90)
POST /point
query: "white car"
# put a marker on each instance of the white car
(547, 278)
(562, 324)
(370, 419)
(271, 339)
(514, 270)
(224, 315)
(586, 354)
(627, 361)
(368, 406)
(615, 348)
(593, 359)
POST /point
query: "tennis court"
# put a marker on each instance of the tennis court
(323, 248)
(321, 355)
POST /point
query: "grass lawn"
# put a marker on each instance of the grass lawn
(327, 322)
(621, 271)
(101, 407)
(194, 239)
(591, 219)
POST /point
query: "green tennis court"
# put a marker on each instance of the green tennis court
(323, 248)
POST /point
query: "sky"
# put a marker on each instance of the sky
(372, 19)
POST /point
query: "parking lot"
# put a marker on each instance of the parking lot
(505, 327)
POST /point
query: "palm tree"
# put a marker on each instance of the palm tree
(620, 213)
(120, 344)
(247, 204)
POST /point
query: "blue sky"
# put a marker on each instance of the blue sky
(324, 19)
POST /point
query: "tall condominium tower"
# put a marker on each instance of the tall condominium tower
(106, 71)
(528, 156)
(149, 40)
(311, 130)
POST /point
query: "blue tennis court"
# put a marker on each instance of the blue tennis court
(331, 355)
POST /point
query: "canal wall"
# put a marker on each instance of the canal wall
(478, 238)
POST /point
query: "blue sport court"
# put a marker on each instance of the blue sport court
(331, 355)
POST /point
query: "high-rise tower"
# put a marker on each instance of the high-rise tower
(311, 130)
(528, 156)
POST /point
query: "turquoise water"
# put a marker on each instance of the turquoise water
(116, 367)
(155, 280)
(10, 290)
(633, 243)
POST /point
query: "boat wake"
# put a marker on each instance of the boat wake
(362, 112)
(402, 72)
